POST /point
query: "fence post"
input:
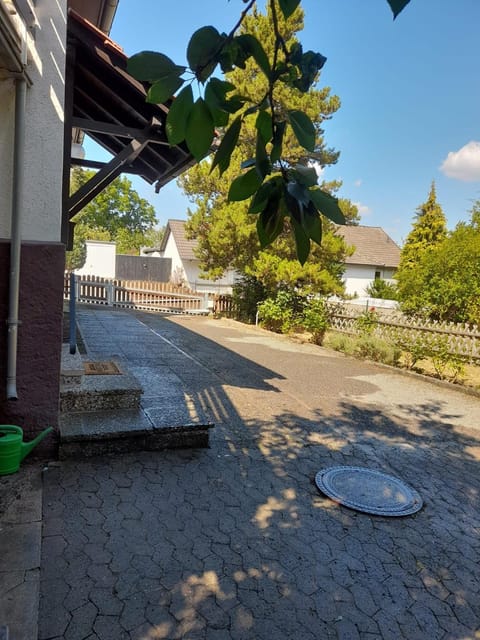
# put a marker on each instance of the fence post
(109, 292)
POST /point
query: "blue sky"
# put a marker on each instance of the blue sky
(410, 93)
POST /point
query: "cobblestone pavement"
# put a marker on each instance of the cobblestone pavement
(235, 541)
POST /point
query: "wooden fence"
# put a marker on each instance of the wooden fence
(460, 339)
(134, 294)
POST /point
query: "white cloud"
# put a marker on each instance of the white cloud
(363, 210)
(463, 164)
(358, 182)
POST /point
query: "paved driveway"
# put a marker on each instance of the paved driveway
(235, 541)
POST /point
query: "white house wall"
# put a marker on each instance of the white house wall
(358, 277)
(41, 202)
(100, 259)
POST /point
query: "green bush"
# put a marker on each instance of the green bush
(248, 292)
(367, 322)
(316, 319)
(376, 349)
(340, 342)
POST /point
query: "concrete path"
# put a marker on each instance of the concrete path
(235, 541)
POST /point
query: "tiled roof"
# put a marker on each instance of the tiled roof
(185, 246)
(372, 246)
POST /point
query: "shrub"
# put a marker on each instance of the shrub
(380, 288)
(376, 349)
(283, 313)
(340, 342)
(367, 322)
(248, 292)
(316, 320)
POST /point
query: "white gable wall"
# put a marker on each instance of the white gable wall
(358, 277)
(100, 259)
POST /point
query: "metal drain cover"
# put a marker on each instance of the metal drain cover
(368, 491)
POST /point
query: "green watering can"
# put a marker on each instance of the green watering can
(12, 448)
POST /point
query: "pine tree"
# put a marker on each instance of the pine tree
(226, 232)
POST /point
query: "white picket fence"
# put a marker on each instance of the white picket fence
(461, 339)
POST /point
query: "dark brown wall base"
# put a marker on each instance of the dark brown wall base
(39, 340)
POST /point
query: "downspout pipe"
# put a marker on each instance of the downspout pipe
(15, 240)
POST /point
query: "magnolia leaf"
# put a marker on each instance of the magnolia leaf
(261, 157)
(313, 225)
(303, 129)
(263, 125)
(305, 175)
(163, 89)
(270, 190)
(178, 115)
(252, 47)
(269, 224)
(244, 186)
(288, 6)
(149, 66)
(227, 146)
(203, 50)
(200, 130)
(299, 192)
(220, 116)
(327, 204)
(217, 91)
(397, 6)
(302, 241)
(246, 164)
(276, 152)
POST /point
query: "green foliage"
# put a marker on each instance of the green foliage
(247, 294)
(380, 288)
(367, 322)
(316, 319)
(277, 314)
(365, 346)
(429, 230)
(117, 214)
(445, 284)
(229, 232)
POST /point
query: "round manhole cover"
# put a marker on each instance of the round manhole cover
(368, 491)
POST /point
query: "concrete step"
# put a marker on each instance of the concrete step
(99, 392)
(72, 369)
(86, 434)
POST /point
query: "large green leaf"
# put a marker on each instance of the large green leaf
(270, 190)
(328, 205)
(303, 129)
(244, 186)
(302, 241)
(313, 225)
(262, 161)
(227, 146)
(276, 152)
(252, 47)
(288, 6)
(203, 50)
(200, 130)
(263, 125)
(397, 6)
(163, 89)
(299, 192)
(178, 115)
(269, 224)
(305, 175)
(148, 66)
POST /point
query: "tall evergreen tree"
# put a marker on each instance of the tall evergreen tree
(226, 231)
(428, 232)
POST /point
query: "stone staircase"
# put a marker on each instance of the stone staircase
(102, 414)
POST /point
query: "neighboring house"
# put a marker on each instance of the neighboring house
(376, 255)
(60, 76)
(185, 264)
